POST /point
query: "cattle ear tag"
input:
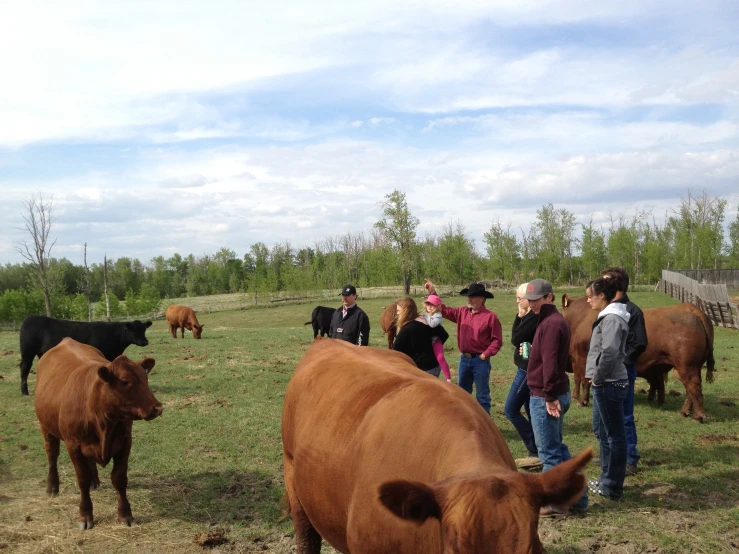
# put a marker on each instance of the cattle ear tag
(105, 374)
(147, 364)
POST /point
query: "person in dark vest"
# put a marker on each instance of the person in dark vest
(349, 322)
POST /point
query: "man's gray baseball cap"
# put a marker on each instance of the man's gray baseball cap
(538, 288)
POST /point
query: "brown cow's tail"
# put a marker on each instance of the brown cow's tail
(285, 505)
(710, 363)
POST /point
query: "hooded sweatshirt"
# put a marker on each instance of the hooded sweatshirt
(606, 357)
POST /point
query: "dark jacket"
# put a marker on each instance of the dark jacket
(354, 328)
(524, 329)
(607, 344)
(636, 341)
(550, 352)
(414, 339)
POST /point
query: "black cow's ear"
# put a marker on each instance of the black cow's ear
(105, 374)
(147, 324)
(129, 325)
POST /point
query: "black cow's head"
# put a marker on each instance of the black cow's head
(136, 332)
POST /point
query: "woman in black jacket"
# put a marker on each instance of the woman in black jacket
(524, 329)
(414, 337)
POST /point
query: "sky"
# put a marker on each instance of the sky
(159, 127)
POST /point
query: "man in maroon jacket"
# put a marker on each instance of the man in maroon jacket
(479, 336)
(548, 382)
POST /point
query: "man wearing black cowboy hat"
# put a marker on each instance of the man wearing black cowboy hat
(349, 322)
(479, 336)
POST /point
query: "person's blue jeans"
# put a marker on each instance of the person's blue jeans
(548, 436)
(608, 411)
(632, 455)
(518, 396)
(475, 371)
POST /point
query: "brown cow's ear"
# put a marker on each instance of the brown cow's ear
(563, 484)
(105, 374)
(414, 502)
(147, 364)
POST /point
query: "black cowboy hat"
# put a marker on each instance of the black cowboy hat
(476, 289)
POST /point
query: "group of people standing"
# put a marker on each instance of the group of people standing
(541, 386)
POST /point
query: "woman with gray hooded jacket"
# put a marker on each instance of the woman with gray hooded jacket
(606, 370)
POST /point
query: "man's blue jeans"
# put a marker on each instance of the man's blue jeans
(608, 411)
(475, 371)
(548, 436)
(632, 455)
(518, 396)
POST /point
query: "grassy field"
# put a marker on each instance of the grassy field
(210, 467)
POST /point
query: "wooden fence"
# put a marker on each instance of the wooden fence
(728, 277)
(713, 300)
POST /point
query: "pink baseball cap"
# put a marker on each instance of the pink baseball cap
(433, 299)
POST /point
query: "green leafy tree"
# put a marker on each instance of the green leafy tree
(504, 252)
(399, 226)
(733, 244)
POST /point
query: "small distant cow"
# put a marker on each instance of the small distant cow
(90, 403)
(321, 320)
(39, 334)
(182, 317)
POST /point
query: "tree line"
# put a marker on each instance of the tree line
(555, 247)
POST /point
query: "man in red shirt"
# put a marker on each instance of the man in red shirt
(479, 336)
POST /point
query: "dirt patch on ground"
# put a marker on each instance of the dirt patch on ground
(6, 353)
(192, 376)
(184, 402)
(189, 358)
(713, 438)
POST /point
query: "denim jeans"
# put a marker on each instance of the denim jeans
(632, 455)
(475, 371)
(518, 396)
(435, 372)
(548, 436)
(608, 411)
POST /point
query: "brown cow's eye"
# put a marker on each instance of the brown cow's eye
(124, 382)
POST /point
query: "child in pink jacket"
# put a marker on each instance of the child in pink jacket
(432, 315)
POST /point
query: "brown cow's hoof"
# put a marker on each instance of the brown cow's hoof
(127, 520)
(86, 524)
(95, 485)
(683, 413)
(52, 491)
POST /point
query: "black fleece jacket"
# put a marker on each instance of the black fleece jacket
(636, 340)
(524, 329)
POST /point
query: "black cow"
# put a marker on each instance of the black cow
(321, 320)
(40, 333)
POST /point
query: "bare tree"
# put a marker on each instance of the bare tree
(39, 218)
(105, 287)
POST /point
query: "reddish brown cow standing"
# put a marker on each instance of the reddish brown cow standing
(369, 469)
(388, 320)
(90, 404)
(680, 337)
(182, 317)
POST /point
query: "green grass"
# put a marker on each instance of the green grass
(213, 460)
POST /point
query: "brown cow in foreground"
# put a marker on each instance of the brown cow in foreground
(388, 321)
(182, 317)
(90, 404)
(370, 468)
(680, 337)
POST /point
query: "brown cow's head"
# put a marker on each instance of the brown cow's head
(495, 513)
(125, 392)
(197, 330)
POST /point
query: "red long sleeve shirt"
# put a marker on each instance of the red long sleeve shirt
(477, 333)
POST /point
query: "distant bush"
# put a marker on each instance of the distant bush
(143, 303)
(16, 304)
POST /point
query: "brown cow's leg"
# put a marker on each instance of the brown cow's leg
(95, 481)
(173, 330)
(307, 539)
(182, 330)
(84, 480)
(585, 400)
(119, 477)
(51, 445)
(694, 395)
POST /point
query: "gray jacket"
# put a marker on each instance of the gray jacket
(607, 345)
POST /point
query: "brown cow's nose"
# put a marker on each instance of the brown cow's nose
(156, 411)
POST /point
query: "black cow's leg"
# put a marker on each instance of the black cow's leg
(25, 365)
(119, 477)
(51, 445)
(84, 480)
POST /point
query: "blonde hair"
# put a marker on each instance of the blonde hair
(522, 288)
(435, 309)
(408, 311)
